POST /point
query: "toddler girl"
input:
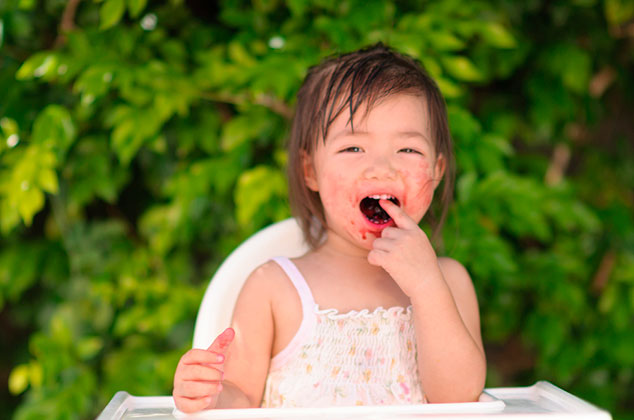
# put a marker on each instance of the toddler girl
(370, 315)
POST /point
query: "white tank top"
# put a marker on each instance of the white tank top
(356, 358)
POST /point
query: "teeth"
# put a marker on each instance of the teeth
(381, 196)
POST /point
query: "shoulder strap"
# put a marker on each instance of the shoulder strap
(309, 319)
(296, 277)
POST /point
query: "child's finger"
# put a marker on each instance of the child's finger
(382, 244)
(376, 257)
(391, 233)
(191, 405)
(221, 343)
(397, 214)
(201, 373)
(197, 389)
(198, 356)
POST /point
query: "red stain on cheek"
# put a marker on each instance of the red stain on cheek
(425, 192)
(422, 185)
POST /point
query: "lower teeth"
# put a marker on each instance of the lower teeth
(373, 212)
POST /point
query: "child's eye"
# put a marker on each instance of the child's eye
(352, 149)
(409, 150)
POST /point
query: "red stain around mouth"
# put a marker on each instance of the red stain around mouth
(375, 233)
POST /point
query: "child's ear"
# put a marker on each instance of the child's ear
(439, 169)
(310, 178)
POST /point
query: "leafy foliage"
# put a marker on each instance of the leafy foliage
(141, 141)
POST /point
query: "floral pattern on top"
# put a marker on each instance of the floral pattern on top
(356, 358)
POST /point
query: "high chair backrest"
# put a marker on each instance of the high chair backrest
(280, 239)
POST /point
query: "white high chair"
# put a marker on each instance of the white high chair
(280, 239)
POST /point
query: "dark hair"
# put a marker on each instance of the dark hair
(349, 81)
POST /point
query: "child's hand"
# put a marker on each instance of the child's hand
(404, 251)
(198, 376)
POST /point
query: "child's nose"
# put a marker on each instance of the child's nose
(380, 168)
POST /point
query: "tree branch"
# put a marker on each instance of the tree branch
(558, 164)
(67, 23)
(267, 101)
(604, 271)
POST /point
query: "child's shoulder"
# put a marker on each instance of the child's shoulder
(272, 291)
(455, 274)
(268, 281)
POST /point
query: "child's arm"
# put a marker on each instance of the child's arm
(242, 373)
(249, 356)
(450, 351)
(451, 360)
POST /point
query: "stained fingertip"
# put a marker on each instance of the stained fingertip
(227, 338)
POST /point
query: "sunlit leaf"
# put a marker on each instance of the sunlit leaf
(256, 195)
(39, 65)
(136, 7)
(19, 379)
(111, 13)
(445, 41)
(54, 129)
(461, 68)
(89, 346)
(618, 11)
(47, 180)
(497, 35)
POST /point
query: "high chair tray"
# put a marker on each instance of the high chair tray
(486, 404)
(541, 401)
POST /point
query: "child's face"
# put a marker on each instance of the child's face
(391, 153)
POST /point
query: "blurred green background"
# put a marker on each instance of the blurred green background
(141, 141)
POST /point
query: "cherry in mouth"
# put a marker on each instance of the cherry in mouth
(374, 212)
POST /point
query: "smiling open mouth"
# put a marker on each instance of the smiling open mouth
(373, 211)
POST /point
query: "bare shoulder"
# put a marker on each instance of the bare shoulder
(269, 300)
(455, 274)
(266, 282)
(264, 275)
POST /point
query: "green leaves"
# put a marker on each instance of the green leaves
(256, 194)
(461, 68)
(54, 130)
(497, 35)
(133, 127)
(571, 64)
(39, 65)
(24, 375)
(136, 7)
(618, 12)
(253, 124)
(111, 13)
(31, 170)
